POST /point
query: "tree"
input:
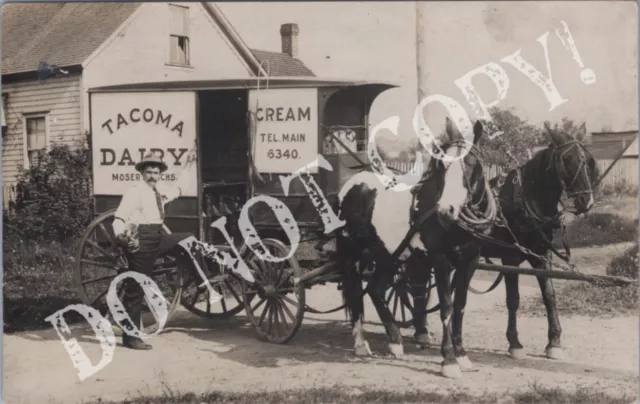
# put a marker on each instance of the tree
(519, 138)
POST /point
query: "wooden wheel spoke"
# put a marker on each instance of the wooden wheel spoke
(391, 293)
(98, 264)
(224, 305)
(257, 272)
(264, 312)
(288, 299)
(112, 240)
(285, 324)
(254, 308)
(270, 321)
(276, 316)
(101, 250)
(233, 292)
(402, 311)
(99, 279)
(162, 271)
(405, 300)
(395, 303)
(197, 295)
(263, 268)
(100, 296)
(286, 309)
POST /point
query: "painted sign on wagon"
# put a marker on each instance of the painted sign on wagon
(126, 126)
(286, 129)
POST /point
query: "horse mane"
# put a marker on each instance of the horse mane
(540, 180)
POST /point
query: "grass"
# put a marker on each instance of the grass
(340, 394)
(594, 300)
(38, 281)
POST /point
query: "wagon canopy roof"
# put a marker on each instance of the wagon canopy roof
(242, 83)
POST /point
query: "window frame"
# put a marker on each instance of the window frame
(25, 119)
(186, 34)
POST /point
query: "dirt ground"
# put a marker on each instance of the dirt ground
(196, 355)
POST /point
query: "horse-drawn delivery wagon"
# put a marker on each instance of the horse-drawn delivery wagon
(245, 135)
(250, 138)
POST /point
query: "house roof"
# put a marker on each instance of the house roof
(609, 145)
(66, 34)
(281, 64)
(632, 150)
(244, 83)
(63, 34)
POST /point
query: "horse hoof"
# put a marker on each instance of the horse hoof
(451, 371)
(363, 349)
(465, 364)
(517, 353)
(396, 350)
(423, 339)
(554, 352)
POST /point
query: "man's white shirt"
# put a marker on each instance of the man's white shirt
(139, 206)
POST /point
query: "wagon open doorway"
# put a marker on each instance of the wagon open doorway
(224, 163)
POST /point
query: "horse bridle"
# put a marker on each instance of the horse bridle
(475, 152)
(562, 171)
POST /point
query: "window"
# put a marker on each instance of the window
(36, 128)
(179, 35)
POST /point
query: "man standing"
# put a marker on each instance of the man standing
(143, 206)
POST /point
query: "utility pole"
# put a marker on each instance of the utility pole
(420, 49)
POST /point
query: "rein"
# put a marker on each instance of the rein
(471, 218)
(533, 213)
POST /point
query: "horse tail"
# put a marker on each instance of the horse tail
(351, 279)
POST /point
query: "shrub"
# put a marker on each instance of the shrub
(599, 228)
(618, 189)
(626, 264)
(53, 200)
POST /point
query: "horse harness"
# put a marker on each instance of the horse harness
(532, 214)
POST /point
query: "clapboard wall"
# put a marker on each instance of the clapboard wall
(58, 98)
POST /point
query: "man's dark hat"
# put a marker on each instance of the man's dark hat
(151, 159)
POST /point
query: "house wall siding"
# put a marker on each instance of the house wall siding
(140, 51)
(59, 97)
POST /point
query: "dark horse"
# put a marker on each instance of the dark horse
(379, 221)
(528, 199)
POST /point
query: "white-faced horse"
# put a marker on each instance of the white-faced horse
(378, 221)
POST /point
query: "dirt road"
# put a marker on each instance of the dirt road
(196, 355)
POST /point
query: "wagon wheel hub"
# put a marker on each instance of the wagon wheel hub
(270, 291)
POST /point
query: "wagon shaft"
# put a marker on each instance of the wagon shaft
(322, 270)
(615, 280)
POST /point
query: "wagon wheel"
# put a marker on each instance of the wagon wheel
(278, 312)
(400, 301)
(229, 287)
(99, 260)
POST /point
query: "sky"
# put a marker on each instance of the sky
(377, 41)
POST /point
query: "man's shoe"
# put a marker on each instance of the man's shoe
(135, 343)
